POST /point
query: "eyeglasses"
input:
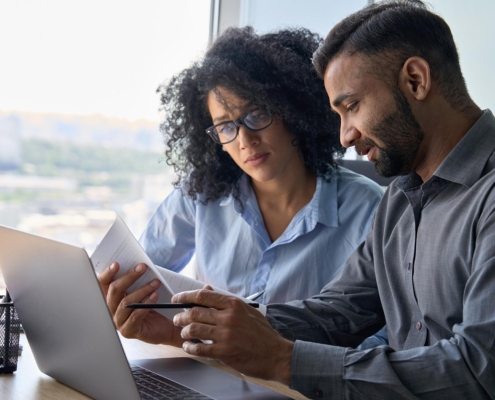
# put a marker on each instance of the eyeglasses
(226, 132)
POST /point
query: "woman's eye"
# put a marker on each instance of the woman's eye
(227, 129)
(257, 116)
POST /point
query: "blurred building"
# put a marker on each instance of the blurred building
(10, 143)
(12, 182)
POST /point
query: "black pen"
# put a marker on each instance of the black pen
(174, 305)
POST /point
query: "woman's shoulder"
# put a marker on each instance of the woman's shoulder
(181, 194)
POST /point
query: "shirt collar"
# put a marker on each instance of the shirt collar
(326, 210)
(465, 163)
(322, 208)
(245, 192)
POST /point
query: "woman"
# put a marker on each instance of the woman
(260, 199)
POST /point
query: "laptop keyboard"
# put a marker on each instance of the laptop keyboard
(154, 386)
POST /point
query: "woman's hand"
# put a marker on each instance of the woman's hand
(143, 324)
(241, 336)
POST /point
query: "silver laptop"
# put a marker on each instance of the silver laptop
(72, 336)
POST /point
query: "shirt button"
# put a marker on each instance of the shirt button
(419, 325)
(318, 393)
(409, 266)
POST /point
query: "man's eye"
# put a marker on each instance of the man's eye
(352, 106)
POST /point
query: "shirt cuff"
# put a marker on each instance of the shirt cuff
(262, 309)
(317, 370)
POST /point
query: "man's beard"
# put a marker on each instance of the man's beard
(401, 136)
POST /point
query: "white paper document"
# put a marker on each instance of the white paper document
(119, 244)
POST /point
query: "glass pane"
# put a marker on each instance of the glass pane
(79, 117)
(471, 23)
(317, 15)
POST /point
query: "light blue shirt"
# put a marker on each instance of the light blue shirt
(234, 251)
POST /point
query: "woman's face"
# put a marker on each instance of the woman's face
(264, 155)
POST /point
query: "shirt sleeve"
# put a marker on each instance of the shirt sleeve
(364, 211)
(460, 367)
(169, 238)
(378, 339)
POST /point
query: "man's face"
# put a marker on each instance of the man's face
(375, 118)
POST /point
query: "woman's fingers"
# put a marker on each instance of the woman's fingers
(145, 294)
(117, 288)
(143, 324)
(129, 321)
(105, 278)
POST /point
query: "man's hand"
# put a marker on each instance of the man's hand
(241, 337)
(143, 324)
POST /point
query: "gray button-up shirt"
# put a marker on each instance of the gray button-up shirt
(427, 268)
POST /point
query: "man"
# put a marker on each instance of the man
(427, 267)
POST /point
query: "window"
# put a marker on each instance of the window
(268, 15)
(79, 117)
(474, 32)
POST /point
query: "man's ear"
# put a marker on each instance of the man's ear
(415, 78)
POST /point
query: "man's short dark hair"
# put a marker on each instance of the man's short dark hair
(390, 32)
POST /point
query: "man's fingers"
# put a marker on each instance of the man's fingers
(196, 314)
(218, 350)
(205, 297)
(198, 349)
(199, 331)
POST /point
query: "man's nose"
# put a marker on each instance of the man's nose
(348, 134)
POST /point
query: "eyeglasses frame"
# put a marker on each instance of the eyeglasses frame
(237, 122)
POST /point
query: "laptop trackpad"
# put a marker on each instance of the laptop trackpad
(206, 379)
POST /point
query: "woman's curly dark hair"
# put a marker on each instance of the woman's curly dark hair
(272, 71)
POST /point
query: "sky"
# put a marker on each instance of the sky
(96, 56)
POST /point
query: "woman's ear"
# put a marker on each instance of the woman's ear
(415, 78)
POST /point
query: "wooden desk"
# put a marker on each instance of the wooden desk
(29, 383)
